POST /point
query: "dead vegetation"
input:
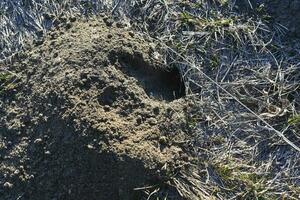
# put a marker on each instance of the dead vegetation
(242, 69)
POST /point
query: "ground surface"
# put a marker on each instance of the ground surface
(281, 13)
(92, 103)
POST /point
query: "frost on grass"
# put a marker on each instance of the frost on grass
(239, 63)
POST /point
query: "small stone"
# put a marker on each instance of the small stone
(106, 108)
(16, 172)
(47, 152)
(8, 185)
(157, 55)
(108, 21)
(84, 80)
(89, 146)
(37, 141)
(152, 121)
(131, 33)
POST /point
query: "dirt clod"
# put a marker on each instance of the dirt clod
(8, 185)
(163, 140)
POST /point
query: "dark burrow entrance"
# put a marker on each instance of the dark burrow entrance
(158, 82)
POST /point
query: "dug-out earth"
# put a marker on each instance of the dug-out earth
(91, 112)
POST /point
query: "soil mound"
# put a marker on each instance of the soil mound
(90, 112)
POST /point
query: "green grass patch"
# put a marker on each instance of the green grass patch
(294, 120)
(239, 178)
(205, 23)
(4, 77)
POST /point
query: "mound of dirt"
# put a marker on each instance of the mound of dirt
(90, 112)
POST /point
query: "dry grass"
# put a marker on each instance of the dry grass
(239, 68)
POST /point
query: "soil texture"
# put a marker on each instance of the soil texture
(91, 112)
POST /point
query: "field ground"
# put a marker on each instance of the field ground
(169, 99)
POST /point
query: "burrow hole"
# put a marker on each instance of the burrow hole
(159, 83)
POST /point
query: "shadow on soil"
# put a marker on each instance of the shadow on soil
(158, 82)
(67, 166)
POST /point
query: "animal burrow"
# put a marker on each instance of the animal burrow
(160, 83)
